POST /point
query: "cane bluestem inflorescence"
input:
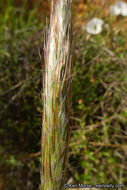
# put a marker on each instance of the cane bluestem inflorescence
(56, 97)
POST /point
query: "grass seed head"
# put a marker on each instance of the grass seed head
(56, 99)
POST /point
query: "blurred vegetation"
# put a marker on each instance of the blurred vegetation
(21, 39)
(98, 144)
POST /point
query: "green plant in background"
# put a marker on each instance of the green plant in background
(99, 110)
(56, 98)
(20, 82)
(16, 25)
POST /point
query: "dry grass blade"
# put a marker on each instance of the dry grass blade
(56, 97)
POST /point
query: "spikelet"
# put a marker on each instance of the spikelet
(56, 97)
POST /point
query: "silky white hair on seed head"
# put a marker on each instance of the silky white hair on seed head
(56, 99)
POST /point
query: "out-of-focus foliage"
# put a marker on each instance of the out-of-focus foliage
(99, 103)
(21, 37)
(99, 100)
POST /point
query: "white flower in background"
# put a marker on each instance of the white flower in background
(94, 26)
(120, 8)
(123, 7)
(114, 10)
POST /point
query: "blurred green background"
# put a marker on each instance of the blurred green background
(98, 142)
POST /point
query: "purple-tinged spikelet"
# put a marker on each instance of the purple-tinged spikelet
(56, 97)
